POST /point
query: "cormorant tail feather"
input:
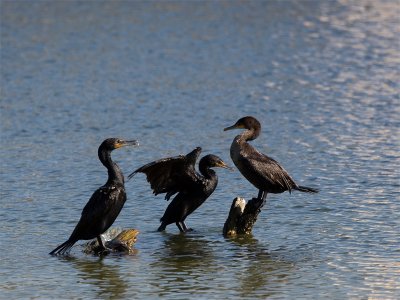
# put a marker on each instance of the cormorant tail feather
(306, 189)
(63, 248)
(162, 227)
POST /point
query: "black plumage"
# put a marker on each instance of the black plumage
(106, 202)
(260, 170)
(178, 175)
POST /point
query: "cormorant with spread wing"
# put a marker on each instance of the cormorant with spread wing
(178, 175)
(260, 170)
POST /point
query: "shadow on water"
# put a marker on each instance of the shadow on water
(107, 280)
(261, 273)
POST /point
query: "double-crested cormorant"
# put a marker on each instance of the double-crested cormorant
(106, 202)
(178, 175)
(262, 171)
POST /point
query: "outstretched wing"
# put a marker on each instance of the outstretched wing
(171, 175)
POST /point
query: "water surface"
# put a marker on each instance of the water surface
(322, 77)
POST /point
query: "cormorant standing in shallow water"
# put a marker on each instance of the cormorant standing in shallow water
(262, 171)
(178, 175)
(106, 202)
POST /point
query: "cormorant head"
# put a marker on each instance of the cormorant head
(248, 122)
(115, 143)
(213, 161)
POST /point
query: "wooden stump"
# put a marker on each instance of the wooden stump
(122, 242)
(242, 216)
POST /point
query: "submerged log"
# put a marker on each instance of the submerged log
(242, 216)
(121, 242)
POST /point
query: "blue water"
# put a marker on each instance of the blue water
(321, 76)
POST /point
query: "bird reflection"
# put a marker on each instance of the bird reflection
(182, 260)
(184, 253)
(107, 280)
(263, 272)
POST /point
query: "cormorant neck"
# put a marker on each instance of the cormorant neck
(114, 172)
(205, 170)
(250, 134)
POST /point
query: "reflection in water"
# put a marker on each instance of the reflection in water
(183, 260)
(107, 280)
(194, 263)
(263, 273)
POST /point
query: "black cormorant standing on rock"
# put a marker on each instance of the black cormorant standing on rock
(106, 202)
(262, 171)
(178, 175)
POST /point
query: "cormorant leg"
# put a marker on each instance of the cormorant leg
(101, 244)
(264, 198)
(180, 227)
(261, 199)
(185, 227)
(260, 195)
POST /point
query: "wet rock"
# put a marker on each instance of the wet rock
(121, 242)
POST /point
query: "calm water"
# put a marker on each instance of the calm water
(321, 76)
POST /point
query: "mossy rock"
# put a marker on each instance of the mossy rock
(121, 242)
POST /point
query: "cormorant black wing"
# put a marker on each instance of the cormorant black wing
(102, 200)
(99, 209)
(269, 169)
(171, 175)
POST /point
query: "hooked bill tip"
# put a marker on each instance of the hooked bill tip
(132, 143)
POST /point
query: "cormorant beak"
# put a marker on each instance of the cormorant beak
(236, 126)
(133, 143)
(221, 164)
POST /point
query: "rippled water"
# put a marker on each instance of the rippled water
(321, 76)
